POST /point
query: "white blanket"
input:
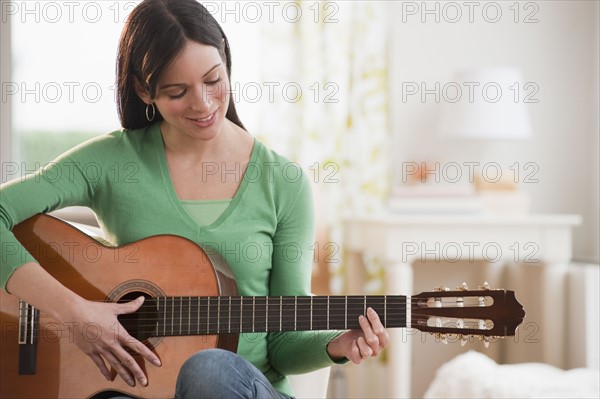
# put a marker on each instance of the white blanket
(474, 375)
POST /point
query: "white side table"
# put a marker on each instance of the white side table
(400, 240)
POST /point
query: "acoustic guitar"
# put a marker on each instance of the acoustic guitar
(193, 306)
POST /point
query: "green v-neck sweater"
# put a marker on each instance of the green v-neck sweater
(266, 234)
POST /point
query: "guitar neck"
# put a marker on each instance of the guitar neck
(176, 316)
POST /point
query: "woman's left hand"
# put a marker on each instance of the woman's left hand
(356, 345)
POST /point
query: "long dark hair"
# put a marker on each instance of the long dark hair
(156, 31)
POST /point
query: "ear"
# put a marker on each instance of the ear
(141, 91)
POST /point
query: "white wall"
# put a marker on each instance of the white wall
(583, 316)
(5, 106)
(558, 53)
(595, 148)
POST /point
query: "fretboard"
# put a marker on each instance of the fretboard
(175, 316)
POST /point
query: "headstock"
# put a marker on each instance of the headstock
(484, 312)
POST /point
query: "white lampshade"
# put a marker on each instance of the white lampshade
(486, 104)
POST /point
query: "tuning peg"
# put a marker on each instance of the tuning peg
(462, 287)
(486, 341)
(441, 337)
(485, 286)
(441, 288)
(463, 339)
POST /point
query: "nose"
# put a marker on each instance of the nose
(202, 99)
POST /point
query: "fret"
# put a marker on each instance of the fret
(173, 310)
(267, 314)
(235, 311)
(408, 319)
(274, 312)
(248, 314)
(396, 316)
(143, 323)
(355, 307)
(253, 308)
(214, 315)
(243, 314)
(346, 313)
(165, 318)
(280, 313)
(303, 315)
(260, 314)
(208, 315)
(203, 315)
(328, 313)
(295, 313)
(229, 317)
(198, 299)
(178, 314)
(158, 313)
(179, 307)
(163, 315)
(364, 306)
(288, 313)
(224, 309)
(319, 319)
(218, 314)
(215, 306)
(337, 312)
(172, 315)
(385, 306)
(184, 316)
(189, 316)
(376, 302)
(311, 312)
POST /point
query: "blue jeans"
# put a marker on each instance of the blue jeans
(217, 373)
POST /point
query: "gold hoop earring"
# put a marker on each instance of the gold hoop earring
(148, 108)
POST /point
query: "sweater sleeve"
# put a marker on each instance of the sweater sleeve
(296, 352)
(62, 182)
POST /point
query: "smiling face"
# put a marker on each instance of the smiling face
(193, 93)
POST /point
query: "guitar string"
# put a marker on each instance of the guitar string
(287, 323)
(338, 314)
(394, 321)
(449, 329)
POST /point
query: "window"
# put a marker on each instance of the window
(62, 84)
(62, 88)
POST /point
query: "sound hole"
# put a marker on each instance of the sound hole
(142, 323)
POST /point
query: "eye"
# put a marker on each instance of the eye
(176, 96)
(215, 81)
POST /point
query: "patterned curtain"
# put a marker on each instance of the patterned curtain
(330, 65)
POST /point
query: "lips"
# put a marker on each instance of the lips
(205, 121)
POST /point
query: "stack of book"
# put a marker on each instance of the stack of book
(435, 198)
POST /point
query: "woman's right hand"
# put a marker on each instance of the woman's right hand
(34, 285)
(106, 343)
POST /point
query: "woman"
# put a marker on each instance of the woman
(200, 175)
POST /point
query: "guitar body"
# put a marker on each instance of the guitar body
(156, 266)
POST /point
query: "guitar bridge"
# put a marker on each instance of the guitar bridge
(28, 333)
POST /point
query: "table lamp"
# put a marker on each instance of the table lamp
(491, 107)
